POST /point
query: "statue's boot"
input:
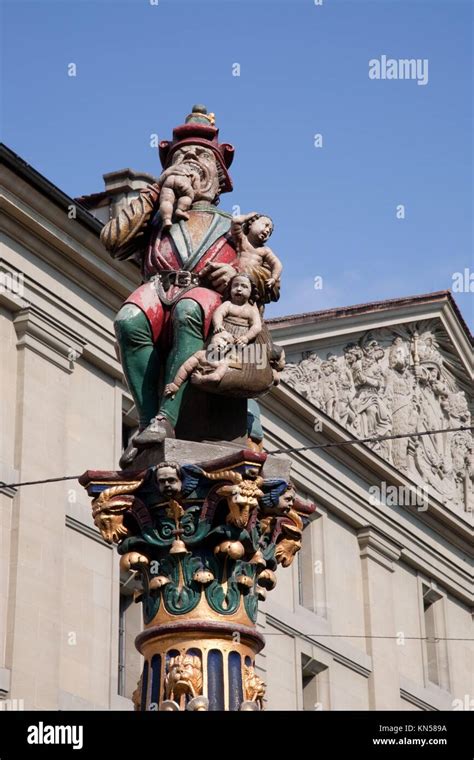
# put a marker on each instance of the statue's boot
(156, 432)
(128, 455)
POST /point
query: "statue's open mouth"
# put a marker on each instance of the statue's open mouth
(183, 686)
(198, 169)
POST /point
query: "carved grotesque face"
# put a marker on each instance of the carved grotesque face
(111, 526)
(286, 550)
(286, 501)
(203, 163)
(184, 676)
(237, 497)
(169, 483)
(240, 290)
(255, 687)
(260, 230)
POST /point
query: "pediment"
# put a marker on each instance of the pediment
(402, 376)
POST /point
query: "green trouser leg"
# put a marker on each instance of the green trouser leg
(139, 360)
(188, 338)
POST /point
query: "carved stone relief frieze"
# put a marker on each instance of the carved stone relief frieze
(406, 379)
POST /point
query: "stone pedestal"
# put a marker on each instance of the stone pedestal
(206, 416)
(175, 450)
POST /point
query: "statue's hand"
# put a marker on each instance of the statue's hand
(170, 390)
(227, 337)
(180, 170)
(219, 275)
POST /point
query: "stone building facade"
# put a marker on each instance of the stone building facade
(377, 611)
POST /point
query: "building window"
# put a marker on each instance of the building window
(436, 648)
(314, 677)
(311, 569)
(128, 431)
(129, 626)
(126, 435)
(129, 421)
(125, 602)
(305, 572)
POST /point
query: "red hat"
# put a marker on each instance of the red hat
(199, 129)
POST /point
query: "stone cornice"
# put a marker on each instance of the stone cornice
(310, 333)
(60, 346)
(343, 652)
(33, 178)
(50, 321)
(65, 243)
(87, 531)
(42, 335)
(426, 698)
(458, 336)
(378, 548)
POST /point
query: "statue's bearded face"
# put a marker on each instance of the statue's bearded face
(203, 163)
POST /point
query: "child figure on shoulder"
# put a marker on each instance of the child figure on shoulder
(250, 233)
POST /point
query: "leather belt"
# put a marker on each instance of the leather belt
(179, 277)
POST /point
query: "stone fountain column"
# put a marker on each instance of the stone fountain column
(204, 540)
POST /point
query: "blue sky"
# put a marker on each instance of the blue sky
(303, 70)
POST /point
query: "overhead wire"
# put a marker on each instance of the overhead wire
(335, 444)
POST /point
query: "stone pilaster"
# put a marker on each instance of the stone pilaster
(378, 557)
